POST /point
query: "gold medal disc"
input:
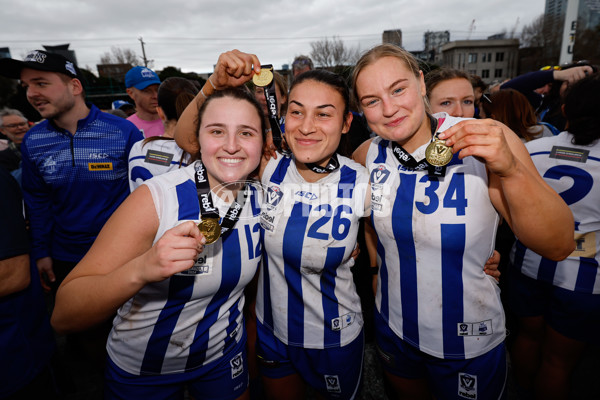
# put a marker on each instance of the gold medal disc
(264, 78)
(210, 228)
(437, 153)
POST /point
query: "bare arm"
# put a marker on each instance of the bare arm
(535, 212)
(122, 261)
(233, 69)
(14, 274)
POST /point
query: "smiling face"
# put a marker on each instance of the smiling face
(453, 96)
(391, 97)
(14, 127)
(48, 92)
(230, 140)
(315, 121)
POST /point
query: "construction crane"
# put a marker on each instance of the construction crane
(471, 29)
(514, 29)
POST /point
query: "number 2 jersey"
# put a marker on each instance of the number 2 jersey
(306, 294)
(574, 172)
(434, 236)
(195, 316)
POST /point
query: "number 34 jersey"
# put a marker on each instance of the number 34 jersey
(434, 237)
(306, 294)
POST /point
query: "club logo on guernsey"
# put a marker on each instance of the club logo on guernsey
(274, 195)
(342, 322)
(379, 175)
(332, 383)
(482, 328)
(237, 366)
(467, 386)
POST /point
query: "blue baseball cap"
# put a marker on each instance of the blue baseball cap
(117, 104)
(140, 78)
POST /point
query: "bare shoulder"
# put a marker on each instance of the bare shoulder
(360, 154)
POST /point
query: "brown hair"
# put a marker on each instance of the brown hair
(239, 93)
(437, 76)
(512, 109)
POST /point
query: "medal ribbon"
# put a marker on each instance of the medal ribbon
(331, 166)
(207, 209)
(409, 162)
(271, 98)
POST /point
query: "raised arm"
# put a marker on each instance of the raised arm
(539, 218)
(233, 69)
(122, 261)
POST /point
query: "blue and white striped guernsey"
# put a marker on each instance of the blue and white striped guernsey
(574, 172)
(153, 158)
(306, 294)
(194, 317)
(434, 237)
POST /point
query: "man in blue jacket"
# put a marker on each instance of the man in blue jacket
(74, 163)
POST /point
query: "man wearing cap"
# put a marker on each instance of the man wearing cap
(74, 164)
(142, 86)
(126, 107)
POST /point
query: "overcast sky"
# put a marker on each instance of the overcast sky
(191, 34)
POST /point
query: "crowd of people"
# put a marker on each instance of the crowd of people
(203, 242)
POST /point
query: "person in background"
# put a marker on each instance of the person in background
(141, 84)
(558, 303)
(479, 88)
(125, 106)
(543, 90)
(450, 91)
(301, 64)
(14, 126)
(26, 340)
(159, 154)
(512, 109)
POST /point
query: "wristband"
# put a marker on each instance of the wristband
(374, 270)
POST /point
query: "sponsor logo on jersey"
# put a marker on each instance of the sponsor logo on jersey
(379, 175)
(332, 383)
(307, 195)
(158, 158)
(98, 156)
(199, 268)
(237, 366)
(266, 221)
(585, 245)
(49, 166)
(343, 321)
(482, 328)
(106, 166)
(467, 386)
(569, 153)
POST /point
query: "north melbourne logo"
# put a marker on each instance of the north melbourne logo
(332, 383)
(237, 366)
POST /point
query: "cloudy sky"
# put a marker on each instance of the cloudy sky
(191, 34)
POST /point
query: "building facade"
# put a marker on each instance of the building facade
(492, 60)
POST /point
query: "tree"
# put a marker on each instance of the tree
(332, 52)
(532, 34)
(118, 55)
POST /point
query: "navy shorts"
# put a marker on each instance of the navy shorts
(575, 315)
(222, 379)
(334, 372)
(482, 377)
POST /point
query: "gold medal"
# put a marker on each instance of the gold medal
(210, 228)
(437, 153)
(264, 77)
